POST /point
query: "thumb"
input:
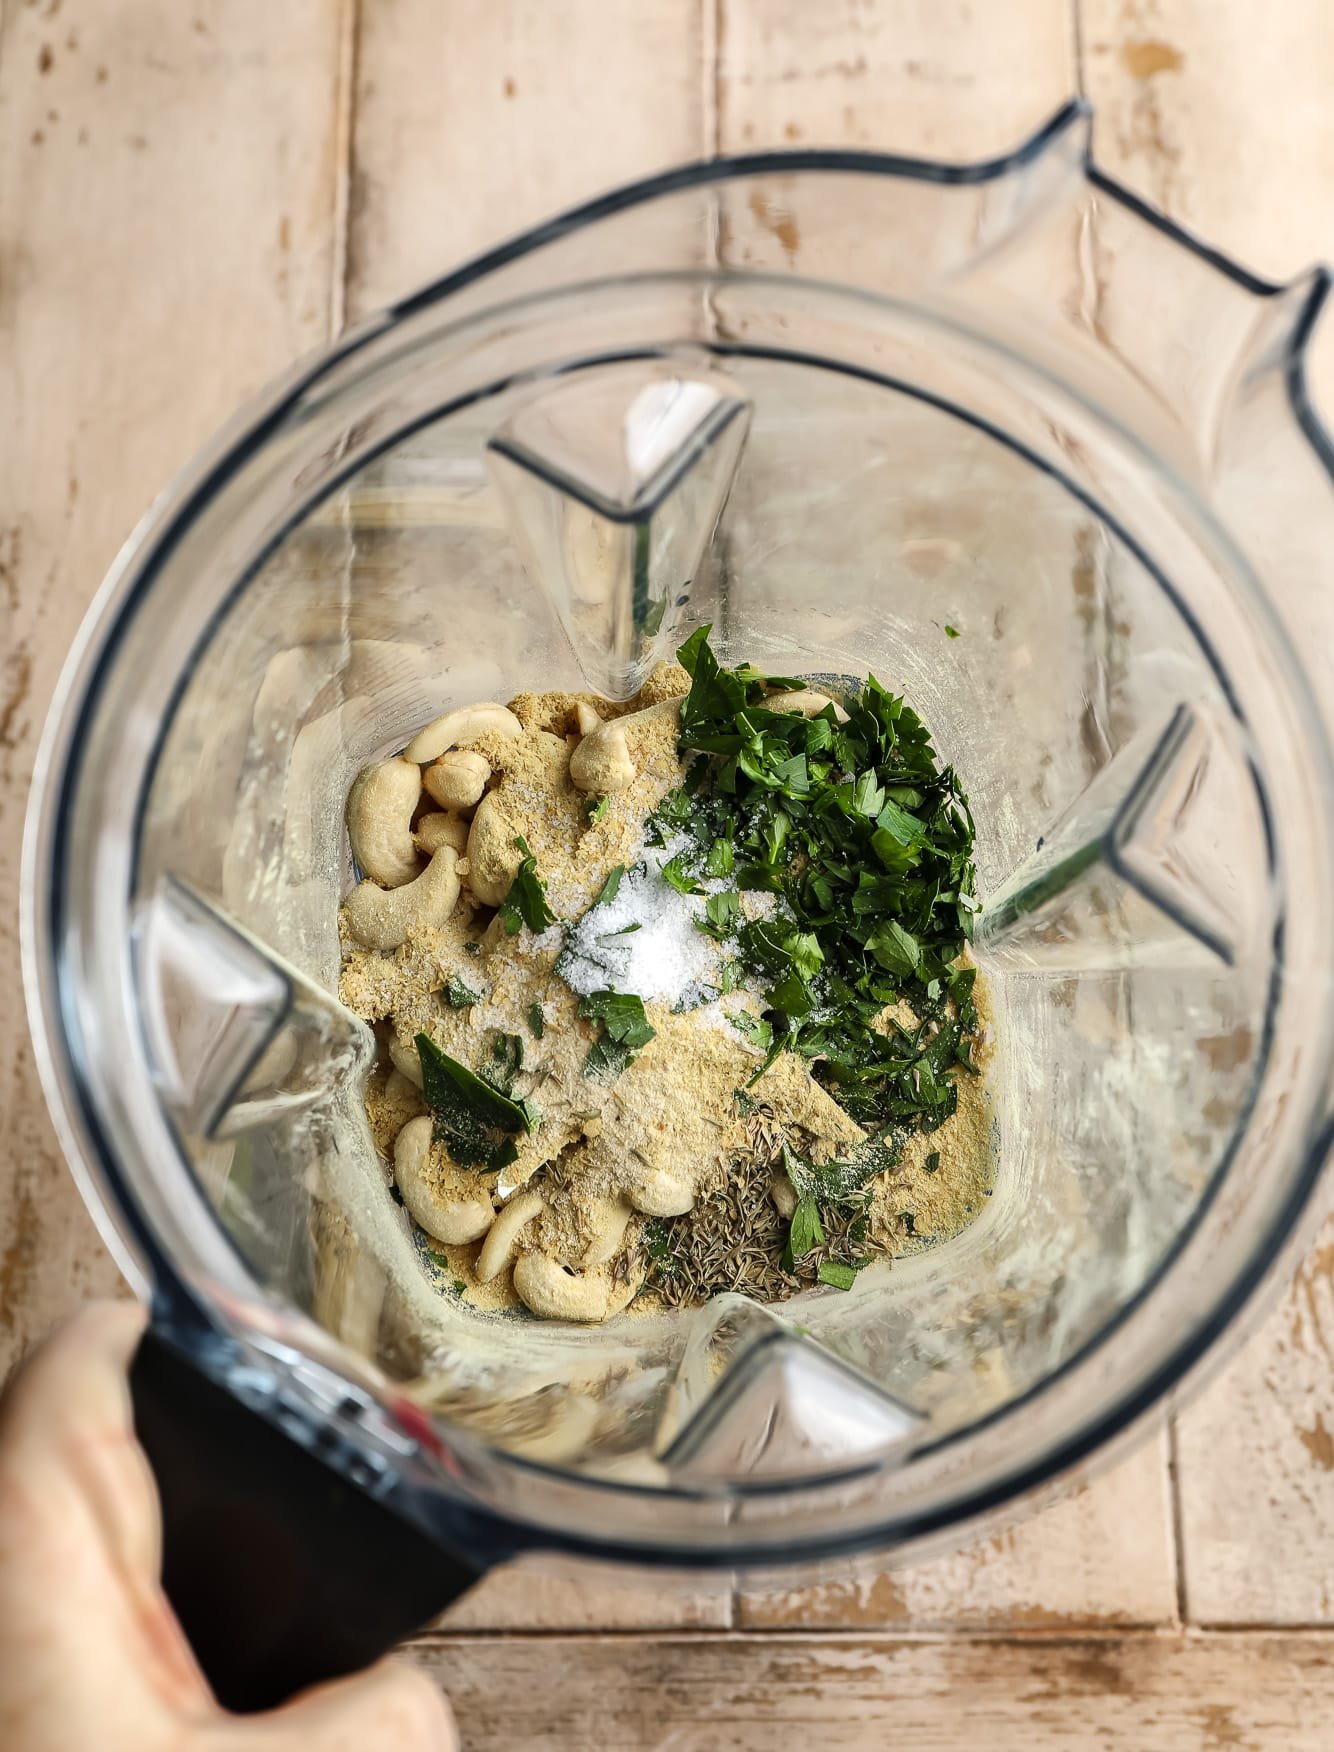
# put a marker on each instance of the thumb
(390, 1705)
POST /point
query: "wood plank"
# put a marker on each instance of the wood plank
(1145, 1693)
(475, 120)
(953, 81)
(1228, 127)
(166, 196)
(933, 78)
(454, 151)
(1102, 1556)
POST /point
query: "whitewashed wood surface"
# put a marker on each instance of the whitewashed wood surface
(193, 192)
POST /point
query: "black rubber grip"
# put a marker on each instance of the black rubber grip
(281, 1570)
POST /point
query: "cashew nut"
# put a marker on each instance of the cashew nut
(498, 1248)
(452, 1220)
(785, 1199)
(493, 857)
(602, 762)
(461, 725)
(556, 1294)
(458, 778)
(382, 918)
(660, 1194)
(441, 829)
(406, 1061)
(379, 821)
(609, 1218)
(806, 701)
(586, 719)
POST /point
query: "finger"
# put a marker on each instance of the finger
(66, 1419)
(390, 1705)
(72, 1469)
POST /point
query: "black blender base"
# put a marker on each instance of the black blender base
(281, 1572)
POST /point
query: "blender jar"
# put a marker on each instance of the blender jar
(831, 403)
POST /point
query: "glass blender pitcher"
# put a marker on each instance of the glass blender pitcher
(833, 404)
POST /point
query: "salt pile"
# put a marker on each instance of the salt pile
(645, 940)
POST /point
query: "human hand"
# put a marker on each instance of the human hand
(90, 1651)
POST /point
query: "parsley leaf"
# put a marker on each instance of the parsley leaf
(459, 996)
(674, 871)
(611, 887)
(625, 1028)
(806, 1231)
(526, 902)
(596, 808)
(537, 1022)
(721, 912)
(835, 1272)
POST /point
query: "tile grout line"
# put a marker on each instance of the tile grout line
(345, 98)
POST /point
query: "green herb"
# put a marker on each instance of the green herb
(625, 931)
(835, 1272)
(721, 860)
(506, 1060)
(537, 1022)
(951, 632)
(806, 1231)
(459, 996)
(932, 1162)
(596, 808)
(756, 1030)
(472, 946)
(526, 902)
(473, 1119)
(866, 843)
(611, 887)
(460, 1288)
(622, 1015)
(721, 912)
(625, 1028)
(675, 872)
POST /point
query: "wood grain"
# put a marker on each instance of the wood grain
(932, 78)
(1228, 127)
(1142, 1693)
(166, 197)
(1102, 1556)
(476, 119)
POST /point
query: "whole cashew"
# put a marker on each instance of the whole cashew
(498, 1248)
(609, 1219)
(785, 1199)
(441, 829)
(493, 857)
(660, 1194)
(602, 762)
(379, 821)
(452, 1220)
(382, 918)
(806, 701)
(586, 719)
(406, 1061)
(556, 1294)
(458, 778)
(461, 725)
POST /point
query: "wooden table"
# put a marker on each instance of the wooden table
(192, 192)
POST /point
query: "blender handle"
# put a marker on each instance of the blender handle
(281, 1570)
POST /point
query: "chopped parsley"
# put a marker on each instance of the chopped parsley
(526, 902)
(459, 996)
(867, 844)
(625, 1028)
(596, 808)
(537, 1022)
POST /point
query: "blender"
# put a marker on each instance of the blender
(858, 413)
